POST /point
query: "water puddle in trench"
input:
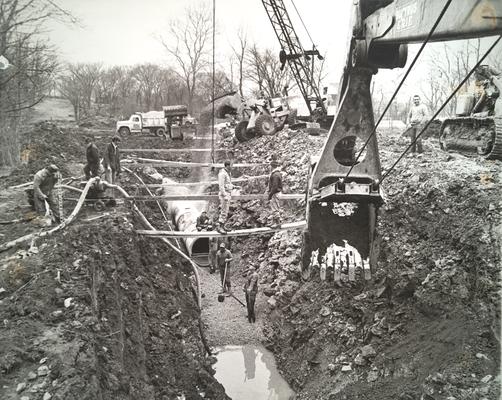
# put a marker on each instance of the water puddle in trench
(249, 373)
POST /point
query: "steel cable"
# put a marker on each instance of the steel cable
(443, 106)
(433, 29)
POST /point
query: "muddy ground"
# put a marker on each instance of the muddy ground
(97, 312)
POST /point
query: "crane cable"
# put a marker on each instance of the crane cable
(443, 106)
(304, 26)
(415, 59)
(212, 105)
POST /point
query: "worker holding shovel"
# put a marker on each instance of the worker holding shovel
(223, 259)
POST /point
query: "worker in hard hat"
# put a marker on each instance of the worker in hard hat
(111, 160)
(251, 289)
(223, 260)
(43, 185)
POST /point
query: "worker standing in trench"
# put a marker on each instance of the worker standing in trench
(250, 289)
(43, 185)
(223, 260)
(111, 160)
(91, 169)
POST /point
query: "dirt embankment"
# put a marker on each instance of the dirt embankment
(96, 312)
(427, 326)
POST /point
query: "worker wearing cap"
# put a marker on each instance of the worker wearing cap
(250, 289)
(43, 185)
(223, 260)
(203, 221)
(111, 160)
(274, 188)
(91, 169)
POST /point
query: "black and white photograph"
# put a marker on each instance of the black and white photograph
(250, 200)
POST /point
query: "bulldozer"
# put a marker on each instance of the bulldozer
(262, 117)
(476, 128)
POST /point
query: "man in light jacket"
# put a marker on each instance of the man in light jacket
(43, 185)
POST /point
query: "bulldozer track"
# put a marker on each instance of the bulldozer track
(496, 153)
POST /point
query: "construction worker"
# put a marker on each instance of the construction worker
(417, 117)
(223, 259)
(111, 160)
(43, 183)
(213, 249)
(250, 289)
(203, 221)
(224, 194)
(91, 169)
(274, 188)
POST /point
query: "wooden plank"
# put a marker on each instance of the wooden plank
(189, 150)
(207, 183)
(212, 234)
(264, 196)
(165, 163)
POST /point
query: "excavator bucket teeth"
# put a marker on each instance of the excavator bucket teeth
(344, 193)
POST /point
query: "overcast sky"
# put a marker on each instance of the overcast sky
(123, 32)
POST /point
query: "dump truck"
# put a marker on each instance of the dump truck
(169, 121)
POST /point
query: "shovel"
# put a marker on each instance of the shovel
(221, 296)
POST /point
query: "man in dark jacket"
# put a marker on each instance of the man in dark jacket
(250, 289)
(274, 188)
(111, 160)
(43, 183)
(91, 169)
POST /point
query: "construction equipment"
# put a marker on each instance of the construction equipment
(300, 61)
(477, 126)
(343, 196)
(169, 121)
(261, 117)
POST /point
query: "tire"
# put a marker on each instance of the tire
(265, 125)
(160, 132)
(240, 131)
(124, 131)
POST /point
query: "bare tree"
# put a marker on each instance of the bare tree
(264, 69)
(240, 53)
(34, 65)
(187, 43)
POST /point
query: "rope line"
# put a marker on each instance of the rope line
(301, 19)
(443, 106)
(441, 14)
(212, 107)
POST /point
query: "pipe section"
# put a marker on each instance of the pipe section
(184, 214)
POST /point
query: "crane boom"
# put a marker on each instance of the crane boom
(293, 53)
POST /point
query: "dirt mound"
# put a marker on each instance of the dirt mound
(100, 313)
(427, 325)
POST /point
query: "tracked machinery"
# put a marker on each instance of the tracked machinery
(344, 195)
(477, 127)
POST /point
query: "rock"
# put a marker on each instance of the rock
(32, 376)
(346, 368)
(331, 367)
(372, 376)
(20, 387)
(269, 291)
(368, 351)
(481, 356)
(47, 396)
(43, 370)
(25, 398)
(272, 303)
(59, 291)
(359, 360)
(68, 302)
(487, 379)
(325, 311)
(43, 360)
(492, 207)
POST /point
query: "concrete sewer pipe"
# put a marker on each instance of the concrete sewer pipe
(184, 214)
